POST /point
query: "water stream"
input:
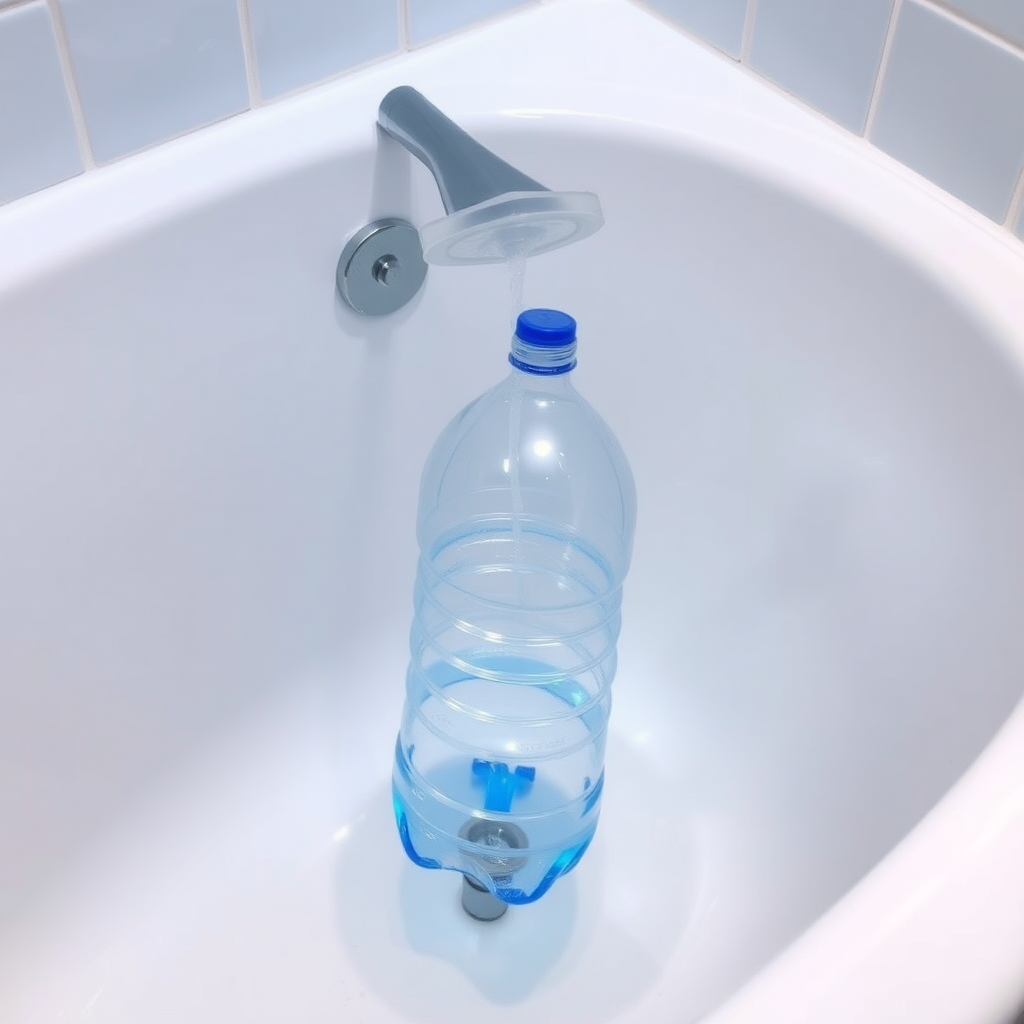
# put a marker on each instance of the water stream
(517, 276)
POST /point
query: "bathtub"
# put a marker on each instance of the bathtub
(814, 806)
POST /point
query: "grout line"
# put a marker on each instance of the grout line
(403, 26)
(941, 7)
(747, 43)
(252, 78)
(883, 68)
(67, 67)
(1016, 203)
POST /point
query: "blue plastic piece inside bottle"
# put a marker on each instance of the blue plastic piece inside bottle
(525, 528)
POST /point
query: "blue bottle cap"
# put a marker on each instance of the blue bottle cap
(544, 342)
(546, 327)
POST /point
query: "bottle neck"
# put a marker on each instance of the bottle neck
(524, 382)
(542, 360)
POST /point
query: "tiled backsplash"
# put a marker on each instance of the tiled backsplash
(939, 84)
(85, 82)
(965, 95)
(38, 145)
(828, 54)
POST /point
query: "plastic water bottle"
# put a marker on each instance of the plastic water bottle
(525, 526)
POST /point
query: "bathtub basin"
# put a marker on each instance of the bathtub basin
(814, 806)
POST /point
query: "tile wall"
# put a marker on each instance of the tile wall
(85, 82)
(939, 84)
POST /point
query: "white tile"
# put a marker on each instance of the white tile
(719, 22)
(148, 70)
(1004, 17)
(38, 146)
(303, 41)
(428, 18)
(827, 52)
(952, 107)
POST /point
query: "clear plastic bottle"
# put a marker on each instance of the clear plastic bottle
(525, 526)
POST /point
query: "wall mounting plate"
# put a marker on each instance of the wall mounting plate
(381, 267)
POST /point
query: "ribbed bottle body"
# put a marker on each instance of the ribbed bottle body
(525, 530)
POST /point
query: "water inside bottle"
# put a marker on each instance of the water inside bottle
(531, 791)
(507, 730)
(556, 841)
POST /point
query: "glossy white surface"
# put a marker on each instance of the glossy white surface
(207, 544)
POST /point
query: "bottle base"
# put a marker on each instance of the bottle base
(501, 876)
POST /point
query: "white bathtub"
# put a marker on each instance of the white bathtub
(815, 799)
